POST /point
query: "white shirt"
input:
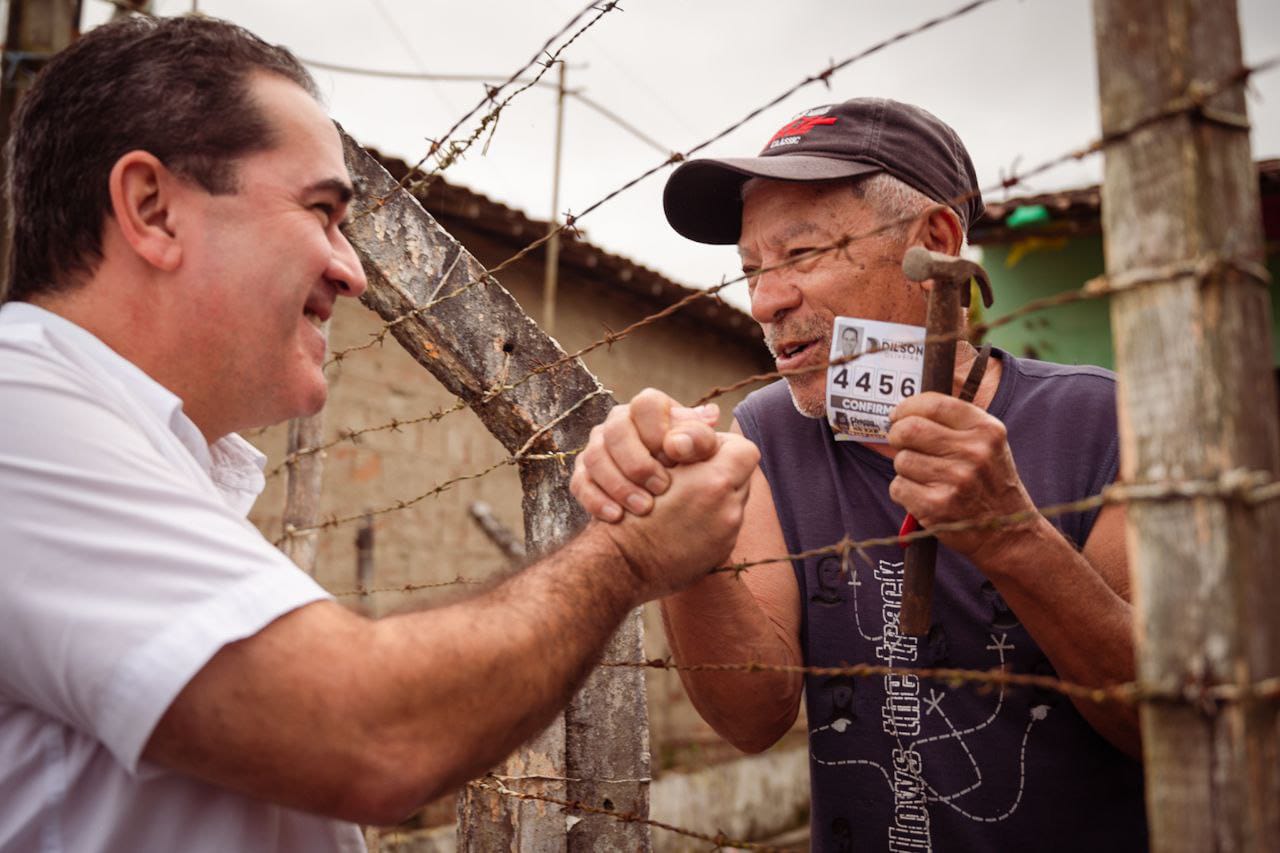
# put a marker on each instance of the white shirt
(126, 563)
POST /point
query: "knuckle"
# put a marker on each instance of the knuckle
(589, 457)
(637, 469)
(896, 487)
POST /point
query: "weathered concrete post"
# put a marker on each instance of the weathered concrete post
(1197, 400)
(598, 753)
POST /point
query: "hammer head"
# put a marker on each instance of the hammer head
(920, 264)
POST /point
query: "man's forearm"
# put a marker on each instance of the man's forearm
(328, 712)
(1083, 626)
(468, 683)
(718, 620)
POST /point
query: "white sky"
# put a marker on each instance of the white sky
(1016, 79)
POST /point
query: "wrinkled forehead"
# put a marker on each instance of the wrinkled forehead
(775, 213)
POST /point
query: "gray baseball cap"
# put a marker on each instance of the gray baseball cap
(703, 198)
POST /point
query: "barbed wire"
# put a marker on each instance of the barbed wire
(457, 149)
(1097, 287)
(1125, 693)
(363, 592)
(571, 220)
(1192, 101)
(1249, 487)
(719, 840)
(1252, 488)
(353, 435)
(521, 455)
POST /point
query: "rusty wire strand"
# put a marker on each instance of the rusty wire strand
(677, 157)
(1191, 102)
(1094, 288)
(1252, 488)
(353, 435)
(522, 455)
(457, 149)
(1125, 693)
(719, 840)
(1249, 487)
(407, 587)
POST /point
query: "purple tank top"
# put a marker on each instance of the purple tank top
(908, 764)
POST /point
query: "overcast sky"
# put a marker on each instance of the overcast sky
(1016, 79)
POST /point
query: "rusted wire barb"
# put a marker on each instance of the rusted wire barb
(719, 840)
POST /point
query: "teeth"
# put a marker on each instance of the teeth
(313, 318)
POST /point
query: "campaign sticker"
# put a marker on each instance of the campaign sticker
(862, 391)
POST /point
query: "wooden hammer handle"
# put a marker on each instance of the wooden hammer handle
(944, 316)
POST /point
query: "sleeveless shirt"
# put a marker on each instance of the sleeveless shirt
(905, 763)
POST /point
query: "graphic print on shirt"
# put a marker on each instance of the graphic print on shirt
(921, 724)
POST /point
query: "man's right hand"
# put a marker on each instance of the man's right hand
(693, 526)
(626, 461)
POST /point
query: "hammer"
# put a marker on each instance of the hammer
(947, 301)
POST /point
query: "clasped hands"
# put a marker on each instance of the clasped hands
(951, 458)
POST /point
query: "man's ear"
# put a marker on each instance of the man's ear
(143, 196)
(938, 229)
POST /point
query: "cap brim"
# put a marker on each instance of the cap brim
(703, 198)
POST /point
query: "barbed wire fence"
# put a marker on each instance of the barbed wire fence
(453, 317)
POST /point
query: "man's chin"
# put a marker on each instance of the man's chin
(806, 404)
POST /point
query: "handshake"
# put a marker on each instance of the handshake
(667, 488)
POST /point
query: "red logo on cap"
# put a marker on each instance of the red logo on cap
(800, 126)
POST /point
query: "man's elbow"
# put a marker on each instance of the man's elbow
(752, 733)
(384, 784)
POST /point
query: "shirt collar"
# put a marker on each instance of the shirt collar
(234, 465)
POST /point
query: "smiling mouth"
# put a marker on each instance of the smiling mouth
(792, 350)
(313, 318)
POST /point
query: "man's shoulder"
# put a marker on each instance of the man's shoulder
(771, 401)
(1045, 383)
(1088, 374)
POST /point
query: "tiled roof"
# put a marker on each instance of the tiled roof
(1079, 211)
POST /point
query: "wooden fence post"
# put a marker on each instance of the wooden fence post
(473, 342)
(305, 478)
(1196, 401)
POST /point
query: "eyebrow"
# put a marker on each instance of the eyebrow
(795, 229)
(343, 190)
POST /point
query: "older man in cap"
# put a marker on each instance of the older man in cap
(903, 761)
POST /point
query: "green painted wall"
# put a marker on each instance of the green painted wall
(1079, 333)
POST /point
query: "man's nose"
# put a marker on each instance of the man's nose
(345, 269)
(775, 294)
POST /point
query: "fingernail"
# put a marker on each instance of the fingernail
(611, 512)
(638, 503)
(656, 485)
(709, 410)
(682, 444)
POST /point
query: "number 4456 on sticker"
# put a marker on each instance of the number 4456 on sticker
(884, 364)
(887, 384)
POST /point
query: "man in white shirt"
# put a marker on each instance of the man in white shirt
(168, 681)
